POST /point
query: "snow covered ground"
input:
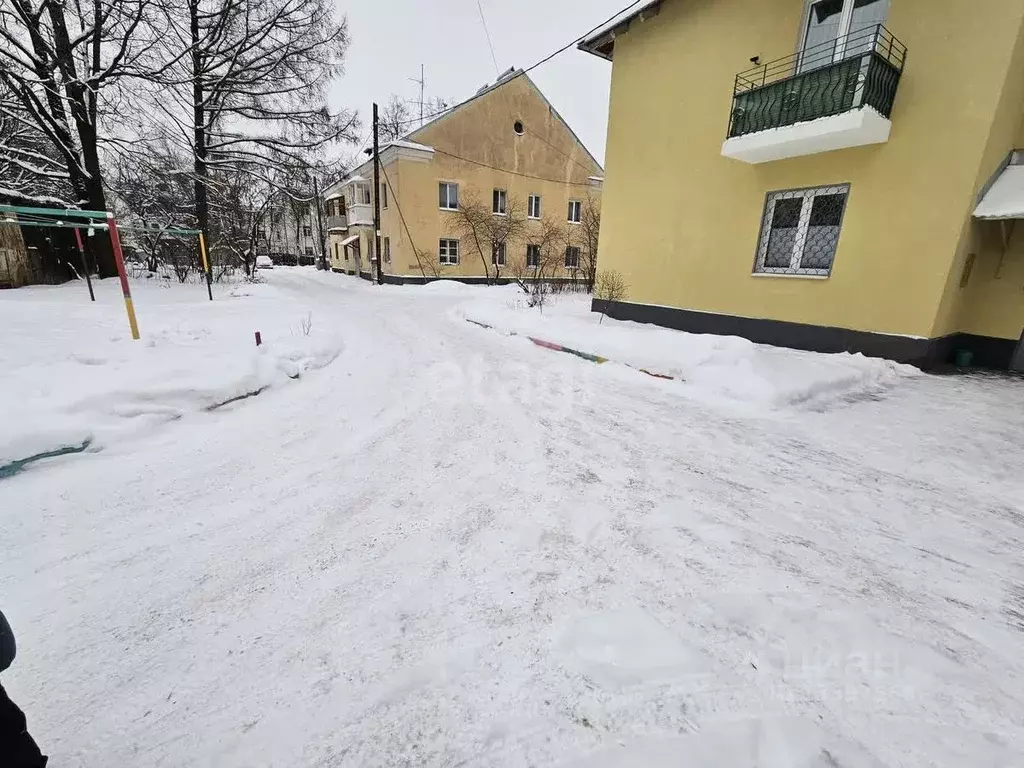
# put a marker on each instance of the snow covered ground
(711, 368)
(443, 545)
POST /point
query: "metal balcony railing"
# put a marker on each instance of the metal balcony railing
(860, 69)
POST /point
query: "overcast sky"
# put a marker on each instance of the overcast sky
(391, 38)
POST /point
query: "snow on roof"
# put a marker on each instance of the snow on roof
(335, 196)
(1005, 198)
(402, 144)
(349, 240)
(600, 41)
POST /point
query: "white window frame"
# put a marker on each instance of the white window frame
(499, 250)
(387, 249)
(536, 264)
(577, 252)
(444, 251)
(534, 201)
(363, 194)
(803, 227)
(575, 206)
(449, 186)
(845, 24)
(499, 206)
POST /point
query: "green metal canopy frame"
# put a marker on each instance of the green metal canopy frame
(73, 218)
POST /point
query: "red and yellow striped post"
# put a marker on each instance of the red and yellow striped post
(115, 241)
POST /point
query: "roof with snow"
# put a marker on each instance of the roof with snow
(1005, 198)
(601, 42)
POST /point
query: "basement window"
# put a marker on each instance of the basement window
(800, 231)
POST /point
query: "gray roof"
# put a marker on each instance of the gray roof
(601, 42)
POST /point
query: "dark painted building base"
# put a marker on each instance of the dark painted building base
(928, 354)
(420, 280)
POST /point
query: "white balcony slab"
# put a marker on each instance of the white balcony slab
(857, 128)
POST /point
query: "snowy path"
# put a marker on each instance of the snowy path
(450, 547)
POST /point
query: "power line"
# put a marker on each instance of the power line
(487, 34)
(510, 171)
(543, 61)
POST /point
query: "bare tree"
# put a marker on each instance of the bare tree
(246, 88)
(590, 230)
(57, 60)
(536, 266)
(394, 119)
(154, 189)
(491, 234)
(610, 287)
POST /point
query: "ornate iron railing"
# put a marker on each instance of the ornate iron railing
(860, 69)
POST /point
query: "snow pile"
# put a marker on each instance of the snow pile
(72, 373)
(710, 367)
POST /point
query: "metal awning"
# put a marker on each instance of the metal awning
(1004, 198)
(349, 240)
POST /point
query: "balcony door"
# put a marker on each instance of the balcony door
(835, 29)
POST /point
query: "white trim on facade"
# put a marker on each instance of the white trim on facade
(858, 128)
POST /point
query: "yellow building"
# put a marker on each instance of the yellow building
(497, 188)
(855, 191)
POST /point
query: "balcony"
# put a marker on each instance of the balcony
(360, 214)
(832, 96)
(335, 221)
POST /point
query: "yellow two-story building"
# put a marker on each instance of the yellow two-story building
(497, 188)
(832, 175)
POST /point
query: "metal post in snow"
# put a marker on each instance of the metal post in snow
(85, 266)
(115, 242)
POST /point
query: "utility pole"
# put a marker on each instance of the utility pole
(376, 197)
(321, 233)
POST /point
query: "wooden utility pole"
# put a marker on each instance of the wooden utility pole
(376, 198)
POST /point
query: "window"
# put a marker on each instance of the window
(448, 251)
(532, 256)
(839, 28)
(499, 201)
(307, 231)
(387, 250)
(498, 254)
(363, 193)
(800, 231)
(572, 257)
(309, 250)
(448, 196)
(575, 211)
(534, 207)
(341, 206)
(383, 195)
(261, 233)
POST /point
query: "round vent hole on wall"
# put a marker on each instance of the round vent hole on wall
(517, 126)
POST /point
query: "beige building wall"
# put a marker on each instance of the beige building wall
(477, 147)
(682, 222)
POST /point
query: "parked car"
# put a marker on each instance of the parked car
(264, 262)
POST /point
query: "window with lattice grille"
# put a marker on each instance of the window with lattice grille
(800, 231)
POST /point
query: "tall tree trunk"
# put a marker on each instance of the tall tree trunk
(199, 121)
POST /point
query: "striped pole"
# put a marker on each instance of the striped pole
(206, 265)
(115, 241)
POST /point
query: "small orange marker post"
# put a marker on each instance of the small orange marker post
(115, 241)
